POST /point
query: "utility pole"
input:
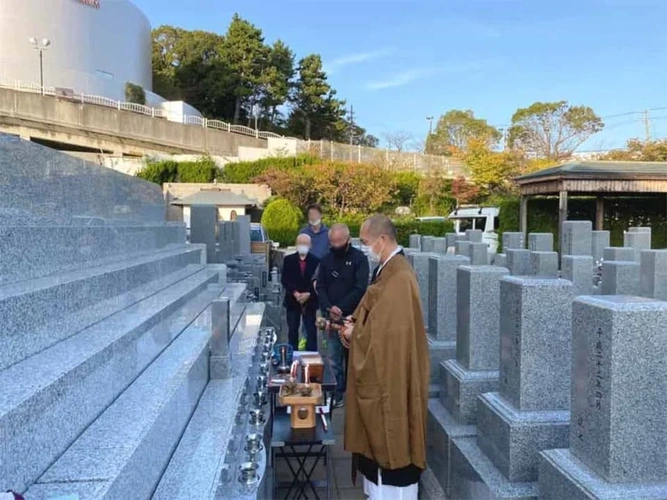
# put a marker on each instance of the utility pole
(351, 125)
(430, 125)
(647, 125)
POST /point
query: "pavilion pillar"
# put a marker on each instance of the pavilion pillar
(562, 217)
(523, 217)
(599, 213)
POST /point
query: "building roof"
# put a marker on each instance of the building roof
(600, 170)
(216, 197)
(597, 177)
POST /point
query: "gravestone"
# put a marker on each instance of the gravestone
(513, 240)
(577, 238)
(601, 240)
(440, 245)
(500, 260)
(618, 254)
(474, 235)
(541, 242)
(530, 411)
(479, 254)
(518, 262)
(619, 393)
(637, 240)
(442, 309)
(462, 248)
(451, 240)
(544, 264)
(415, 241)
(620, 278)
(653, 274)
(203, 220)
(244, 234)
(475, 369)
(578, 269)
(427, 244)
(421, 265)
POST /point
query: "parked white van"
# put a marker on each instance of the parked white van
(476, 217)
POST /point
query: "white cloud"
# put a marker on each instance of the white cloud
(401, 79)
(357, 58)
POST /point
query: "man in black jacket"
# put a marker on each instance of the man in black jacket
(300, 298)
(342, 280)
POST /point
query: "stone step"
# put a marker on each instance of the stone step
(33, 311)
(195, 469)
(123, 453)
(72, 382)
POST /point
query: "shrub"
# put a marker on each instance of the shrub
(245, 172)
(282, 221)
(204, 170)
(135, 93)
(404, 227)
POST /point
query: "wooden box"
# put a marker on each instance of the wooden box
(315, 367)
(303, 408)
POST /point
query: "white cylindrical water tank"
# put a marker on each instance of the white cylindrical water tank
(96, 46)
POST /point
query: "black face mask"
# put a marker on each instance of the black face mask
(340, 251)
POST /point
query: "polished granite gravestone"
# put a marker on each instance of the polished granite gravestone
(421, 263)
(518, 261)
(440, 245)
(203, 221)
(577, 238)
(540, 242)
(473, 372)
(105, 337)
(462, 247)
(427, 243)
(618, 447)
(474, 235)
(620, 278)
(638, 239)
(600, 241)
(243, 222)
(513, 240)
(442, 309)
(415, 241)
(530, 412)
(578, 269)
(653, 270)
(479, 254)
(625, 254)
(544, 264)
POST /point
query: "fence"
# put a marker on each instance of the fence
(394, 160)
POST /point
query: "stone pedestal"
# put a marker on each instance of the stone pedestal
(620, 278)
(619, 394)
(530, 411)
(653, 274)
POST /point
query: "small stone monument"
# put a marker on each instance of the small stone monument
(577, 238)
(541, 242)
(544, 264)
(479, 254)
(579, 270)
(653, 274)
(518, 262)
(620, 278)
(639, 240)
(601, 240)
(618, 447)
(513, 240)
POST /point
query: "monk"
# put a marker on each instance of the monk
(388, 373)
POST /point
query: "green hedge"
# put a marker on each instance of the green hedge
(282, 221)
(620, 214)
(204, 170)
(244, 172)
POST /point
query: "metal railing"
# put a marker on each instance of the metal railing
(134, 108)
(395, 160)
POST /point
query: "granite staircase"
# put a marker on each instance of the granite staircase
(105, 360)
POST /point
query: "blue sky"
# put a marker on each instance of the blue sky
(399, 61)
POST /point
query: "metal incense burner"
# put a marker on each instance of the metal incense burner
(248, 473)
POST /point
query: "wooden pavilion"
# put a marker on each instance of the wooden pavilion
(597, 179)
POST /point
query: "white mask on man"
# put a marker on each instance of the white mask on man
(302, 249)
(316, 222)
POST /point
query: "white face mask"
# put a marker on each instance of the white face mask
(302, 249)
(373, 256)
(316, 222)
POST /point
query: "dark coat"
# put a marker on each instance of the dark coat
(342, 280)
(294, 281)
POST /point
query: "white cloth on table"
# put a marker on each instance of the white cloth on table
(385, 492)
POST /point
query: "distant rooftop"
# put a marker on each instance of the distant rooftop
(216, 197)
(609, 170)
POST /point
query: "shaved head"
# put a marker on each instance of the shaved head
(376, 226)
